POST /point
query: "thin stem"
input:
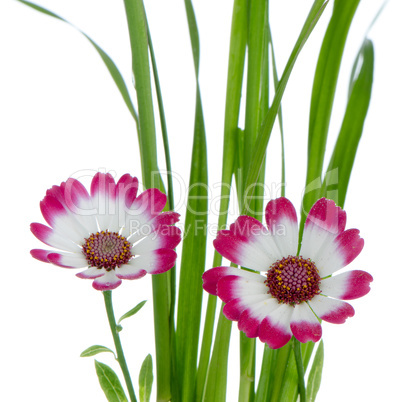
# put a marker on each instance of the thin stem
(116, 338)
(300, 369)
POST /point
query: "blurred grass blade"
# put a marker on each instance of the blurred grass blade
(262, 394)
(341, 163)
(95, 349)
(237, 51)
(161, 284)
(133, 311)
(314, 378)
(280, 117)
(113, 70)
(322, 97)
(163, 124)
(110, 383)
(269, 120)
(215, 387)
(194, 243)
(146, 379)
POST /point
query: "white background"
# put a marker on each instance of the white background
(62, 116)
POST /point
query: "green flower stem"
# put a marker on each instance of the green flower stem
(300, 369)
(116, 338)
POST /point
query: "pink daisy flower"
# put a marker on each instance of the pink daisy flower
(111, 231)
(295, 288)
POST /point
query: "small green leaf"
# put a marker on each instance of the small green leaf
(133, 311)
(110, 383)
(314, 379)
(94, 350)
(146, 379)
(119, 328)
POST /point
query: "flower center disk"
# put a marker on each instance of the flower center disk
(107, 250)
(293, 280)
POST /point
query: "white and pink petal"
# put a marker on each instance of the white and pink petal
(139, 217)
(252, 247)
(40, 255)
(53, 239)
(235, 307)
(108, 281)
(156, 262)
(131, 270)
(281, 218)
(251, 318)
(68, 260)
(91, 273)
(339, 252)
(232, 286)
(61, 220)
(211, 277)
(103, 194)
(164, 237)
(304, 324)
(275, 329)
(79, 202)
(331, 310)
(348, 285)
(324, 222)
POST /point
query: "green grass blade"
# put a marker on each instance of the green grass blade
(314, 378)
(110, 383)
(161, 284)
(111, 66)
(280, 117)
(215, 387)
(194, 244)
(322, 97)
(255, 52)
(341, 163)
(237, 51)
(262, 394)
(269, 120)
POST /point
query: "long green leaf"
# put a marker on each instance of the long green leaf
(237, 50)
(146, 379)
(314, 378)
(110, 383)
(322, 97)
(113, 70)
(194, 243)
(343, 156)
(215, 389)
(266, 129)
(161, 284)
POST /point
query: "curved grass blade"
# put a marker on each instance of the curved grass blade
(322, 97)
(343, 156)
(95, 349)
(111, 66)
(146, 379)
(314, 378)
(269, 120)
(194, 243)
(110, 383)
